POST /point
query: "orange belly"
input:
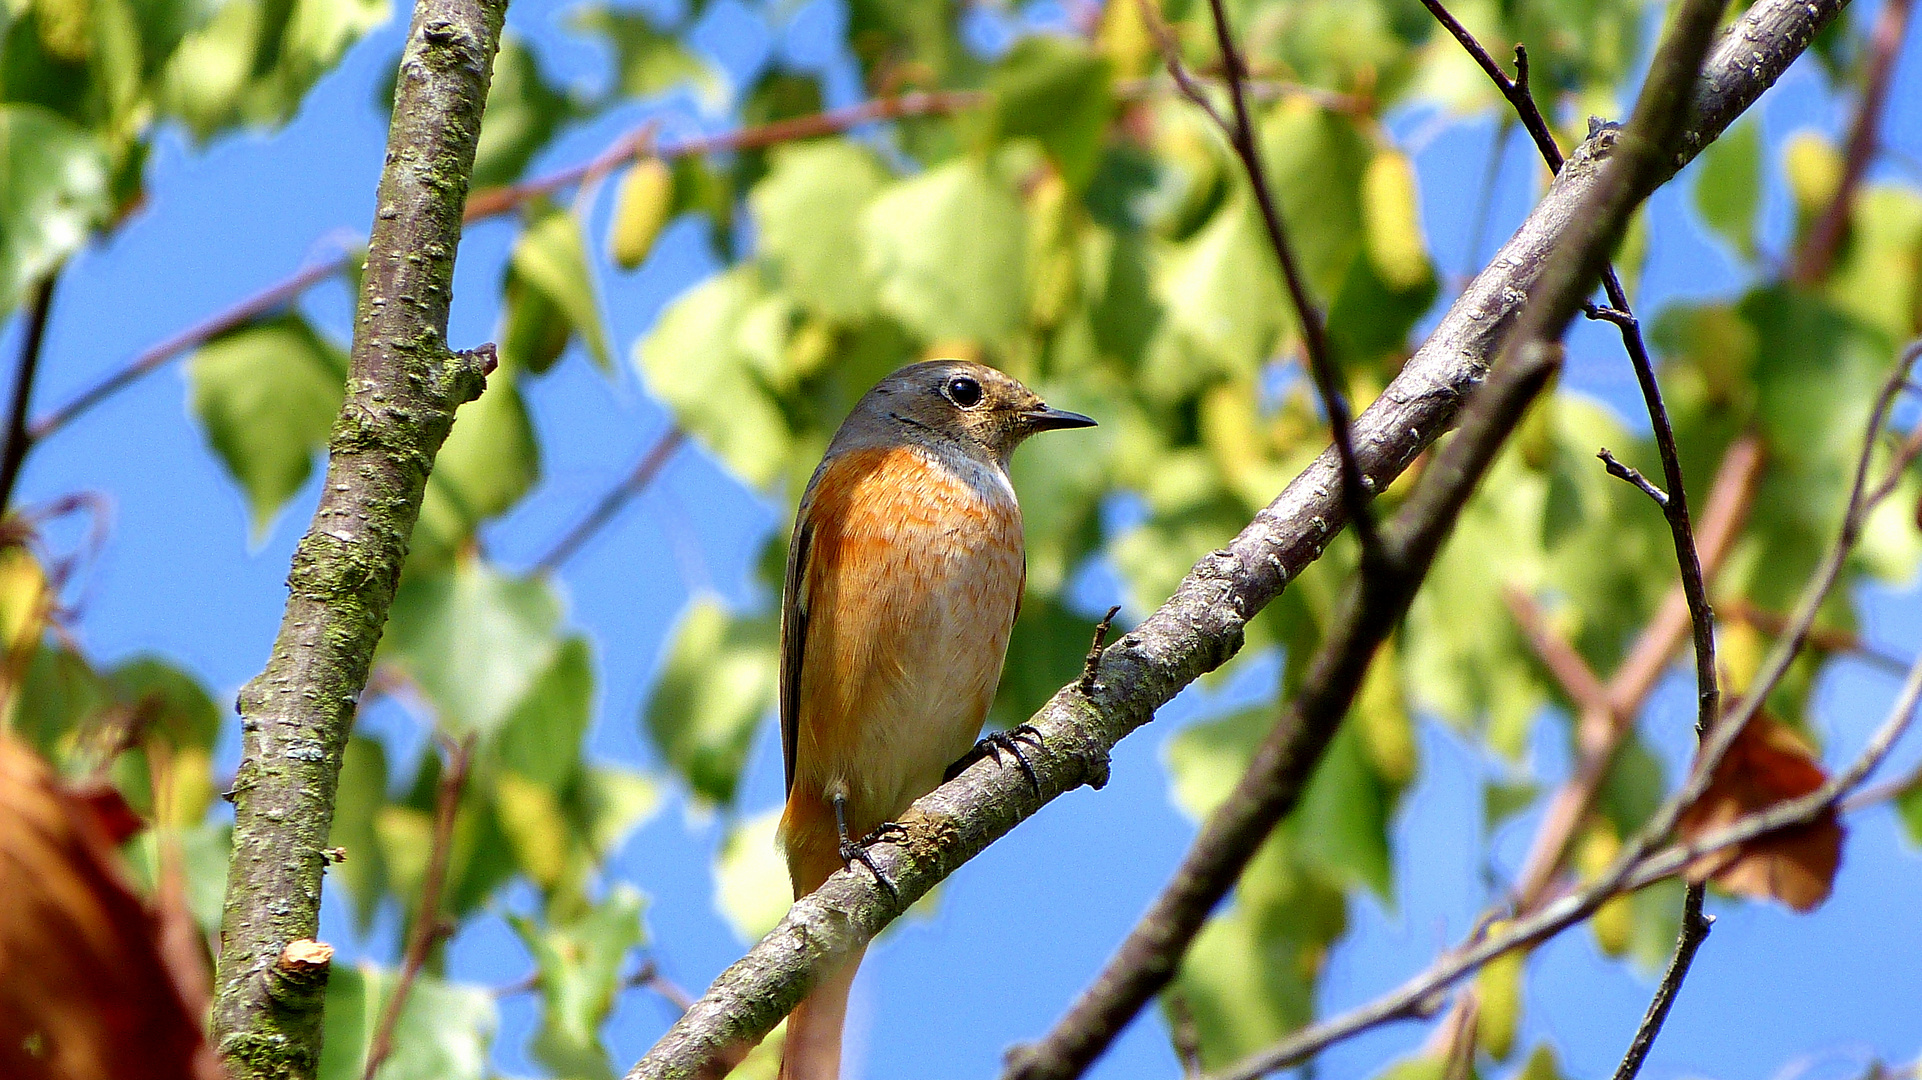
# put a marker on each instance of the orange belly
(914, 574)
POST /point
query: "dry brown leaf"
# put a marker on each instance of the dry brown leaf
(1767, 763)
(84, 991)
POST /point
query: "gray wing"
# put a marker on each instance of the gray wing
(794, 632)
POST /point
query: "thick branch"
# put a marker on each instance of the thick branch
(402, 389)
(1201, 626)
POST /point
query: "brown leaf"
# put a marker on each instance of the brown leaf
(84, 991)
(1767, 764)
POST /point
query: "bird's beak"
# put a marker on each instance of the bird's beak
(1046, 419)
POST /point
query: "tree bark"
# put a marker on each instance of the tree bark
(403, 386)
(1201, 626)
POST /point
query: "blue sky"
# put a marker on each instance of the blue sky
(1023, 927)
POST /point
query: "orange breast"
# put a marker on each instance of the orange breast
(914, 574)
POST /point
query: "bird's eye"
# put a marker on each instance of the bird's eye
(964, 391)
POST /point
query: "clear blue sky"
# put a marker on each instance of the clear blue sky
(1022, 928)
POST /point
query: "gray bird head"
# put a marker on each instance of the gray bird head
(984, 412)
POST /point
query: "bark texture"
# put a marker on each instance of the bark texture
(1201, 625)
(403, 386)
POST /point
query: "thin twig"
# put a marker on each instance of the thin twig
(1516, 90)
(1092, 665)
(19, 439)
(1632, 476)
(429, 927)
(1183, 1034)
(1356, 486)
(493, 202)
(1826, 638)
(1812, 261)
(1695, 928)
(1485, 203)
(1403, 1002)
(609, 506)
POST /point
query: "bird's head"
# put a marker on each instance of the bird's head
(988, 413)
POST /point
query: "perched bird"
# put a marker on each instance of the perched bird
(903, 579)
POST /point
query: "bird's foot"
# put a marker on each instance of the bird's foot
(857, 851)
(994, 744)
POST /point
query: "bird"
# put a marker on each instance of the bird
(904, 577)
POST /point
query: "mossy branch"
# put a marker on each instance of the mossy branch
(403, 386)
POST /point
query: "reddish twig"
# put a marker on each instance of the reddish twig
(429, 927)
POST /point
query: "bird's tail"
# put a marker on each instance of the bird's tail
(813, 1047)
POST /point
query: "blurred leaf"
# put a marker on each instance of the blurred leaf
(750, 877)
(641, 209)
(1391, 219)
(445, 1030)
(53, 194)
(808, 211)
(1501, 801)
(474, 641)
(1768, 763)
(357, 807)
(940, 245)
(1728, 185)
(1316, 163)
(1878, 277)
(1222, 293)
(1245, 989)
(530, 817)
(580, 965)
(1419, 1066)
(1541, 1064)
(541, 739)
(610, 803)
(1499, 986)
(550, 258)
(717, 685)
(59, 692)
(648, 62)
(1633, 788)
(523, 113)
(1613, 924)
(25, 604)
(255, 59)
(267, 395)
(692, 360)
(491, 459)
(1055, 90)
(1814, 169)
(203, 850)
(1343, 816)
(175, 705)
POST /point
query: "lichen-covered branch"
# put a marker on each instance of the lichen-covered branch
(1201, 626)
(403, 386)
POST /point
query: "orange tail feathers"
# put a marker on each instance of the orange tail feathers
(813, 1047)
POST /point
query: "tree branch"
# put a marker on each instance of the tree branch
(429, 927)
(1695, 928)
(402, 389)
(1200, 627)
(19, 439)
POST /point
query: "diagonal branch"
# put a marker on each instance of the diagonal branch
(1201, 625)
(402, 389)
(610, 504)
(19, 439)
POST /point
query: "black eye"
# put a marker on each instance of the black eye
(964, 391)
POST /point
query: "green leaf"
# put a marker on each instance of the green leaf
(1908, 807)
(1342, 821)
(60, 691)
(267, 395)
(551, 258)
(1244, 987)
(202, 849)
(1878, 277)
(941, 245)
(693, 361)
(491, 459)
(523, 112)
(172, 702)
(1499, 985)
(53, 194)
(357, 806)
(444, 1033)
(1502, 800)
(1055, 90)
(808, 211)
(579, 964)
(648, 62)
(1222, 294)
(474, 641)
(1541, 1065)
(1316, 162)
(717, 684)
(1728, 185)
(255, 59)
(750, 877)
(1391, 208)
(609, 804)
(541, 739)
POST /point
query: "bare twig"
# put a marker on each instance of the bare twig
(19, 439)
(1201, 625)
(493, 202)
(1092, 665)
(1827, 639)
(1695, 928)
(1515, 90)
(1183, 1034)
(429, 929)
(1812, 261)
(609, 507)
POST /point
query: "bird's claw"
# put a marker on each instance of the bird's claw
(995, 743)
(853, 852)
